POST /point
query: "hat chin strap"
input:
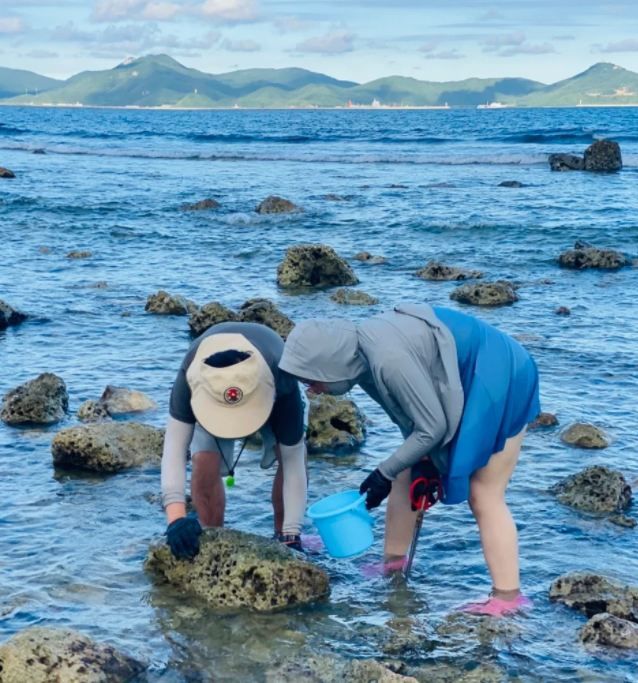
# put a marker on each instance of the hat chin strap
(230, 479)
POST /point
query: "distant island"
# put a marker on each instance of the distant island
(160, 81)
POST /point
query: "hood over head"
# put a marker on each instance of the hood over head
(324, 351)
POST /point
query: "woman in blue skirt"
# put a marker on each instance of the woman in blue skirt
(462, 393)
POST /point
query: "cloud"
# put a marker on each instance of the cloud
(497, 42)
(230, 10)
(241, 46)
(334, 43)
(528, 49)
(290, 24)
(224, 11)
(628, 45)
(430, 52)
(127, 39)
(42, 54)
(12, 25)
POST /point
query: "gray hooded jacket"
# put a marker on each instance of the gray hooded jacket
(404, 359)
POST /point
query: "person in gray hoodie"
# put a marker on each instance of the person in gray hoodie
(462, 394)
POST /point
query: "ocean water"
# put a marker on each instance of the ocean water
(417, 185)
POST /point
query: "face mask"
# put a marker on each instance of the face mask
(338, 388)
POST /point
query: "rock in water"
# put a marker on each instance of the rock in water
(107, 446)
(274, 204)
(6, 173)
(318, 668)
(584, 435)
(265, 312)
(202, 205)
(566, 162)
(93, 411)
(439, 272)
(208, 315)
(43, 400)
(353, 297)
(594, 594)
(606, 629)
(314, 265)
(335, 425)
(584, 256)
(163, 303)
(595, 489)
(47, 655)
(543, 420)
(485, 294)
(120, 401)
(9, 316)
(603, 155)
(235, 569)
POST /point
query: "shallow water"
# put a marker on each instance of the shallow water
(112, 182)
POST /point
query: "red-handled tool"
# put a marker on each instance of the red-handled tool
(425, 491)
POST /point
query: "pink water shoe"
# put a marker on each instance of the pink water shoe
(375, 569)
(497, 607)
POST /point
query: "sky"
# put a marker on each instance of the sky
(360, 40)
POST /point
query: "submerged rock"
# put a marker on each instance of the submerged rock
(439, 272)
(107, 446)
(335, 425)
(275, 204)
(120, 401)
(584, 435)
(370, 259)
(9, 316)
(595, 489)
(43, 400)
(594, 594)
(79, 254)
(235, 569)
(202, 205)
(48, 655)
(566, 162)
(314, 265)
(447, 673)
(265, 312)
(544, 420)
(6, 173)
(333, 669)
(607, 629)
(511, 183)
(353, 297)
(498, 293)
(93, 411)
(603, 155)
(585, 255)
(163, 303)
(562, 310)
(208, 315)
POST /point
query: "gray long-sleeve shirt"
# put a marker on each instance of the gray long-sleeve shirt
(404, 359)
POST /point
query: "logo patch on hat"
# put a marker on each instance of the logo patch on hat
(233, 395)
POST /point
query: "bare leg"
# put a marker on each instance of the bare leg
(496, 526)
(399, 518)
(207, 488)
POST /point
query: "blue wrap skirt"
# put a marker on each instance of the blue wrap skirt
(500, 385)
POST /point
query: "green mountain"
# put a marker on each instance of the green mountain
(160, 81)
(16, 82)
(602, 83)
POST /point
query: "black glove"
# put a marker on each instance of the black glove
(292, 541)
(182, 535)
(378, 488)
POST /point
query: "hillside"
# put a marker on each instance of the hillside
(602, 83)
(161, 81)
(17, 82)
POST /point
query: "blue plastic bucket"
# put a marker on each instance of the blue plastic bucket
(344, 524)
